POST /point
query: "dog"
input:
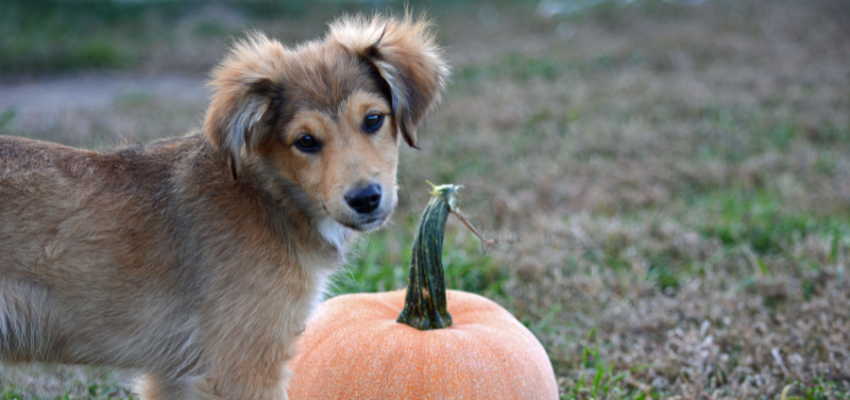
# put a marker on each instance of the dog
(197, 260)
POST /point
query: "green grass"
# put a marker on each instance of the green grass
(817, 390)
(513, 66)
(93, 392)
(598, 379)
(44, 36)
(102, 388)
(759, 222)
(50, 36)
(380, 263)
(6, 117)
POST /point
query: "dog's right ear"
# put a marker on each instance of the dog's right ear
(245, 96)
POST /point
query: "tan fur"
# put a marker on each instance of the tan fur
(197, 260)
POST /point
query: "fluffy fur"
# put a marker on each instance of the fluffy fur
(198, 259)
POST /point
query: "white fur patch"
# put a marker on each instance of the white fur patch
(334, 233)
(322, 281)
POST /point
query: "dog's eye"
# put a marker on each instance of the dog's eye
(372, 122)
(308, 144)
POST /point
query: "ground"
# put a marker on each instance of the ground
(667, 180)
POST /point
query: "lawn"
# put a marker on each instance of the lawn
(669, 182)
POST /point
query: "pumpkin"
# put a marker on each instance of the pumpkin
(357, 346)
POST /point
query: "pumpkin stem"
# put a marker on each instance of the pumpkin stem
(425, 304)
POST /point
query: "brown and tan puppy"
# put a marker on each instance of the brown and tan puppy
(197, 260)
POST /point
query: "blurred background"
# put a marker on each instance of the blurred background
(668, 181)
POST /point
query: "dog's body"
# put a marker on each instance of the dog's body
(197, 260)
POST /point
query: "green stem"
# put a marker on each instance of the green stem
(425, 304)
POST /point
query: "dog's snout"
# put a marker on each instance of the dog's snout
(364, 200)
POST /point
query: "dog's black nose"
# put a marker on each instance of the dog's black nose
(364, 200)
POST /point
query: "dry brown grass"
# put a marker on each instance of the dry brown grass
(670, 178)
(610, 156)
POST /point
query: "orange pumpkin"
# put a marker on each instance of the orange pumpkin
(357, 347)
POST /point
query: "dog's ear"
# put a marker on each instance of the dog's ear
(245, 98)
(405, 56)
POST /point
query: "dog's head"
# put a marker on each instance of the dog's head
(327, 116)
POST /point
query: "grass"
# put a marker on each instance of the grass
(66, 383)
(91, 391)
(50, 36)
(597, 379)
(668, 182)
(379, 263)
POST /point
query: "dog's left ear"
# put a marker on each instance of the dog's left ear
(405, 56)
(241, 112)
